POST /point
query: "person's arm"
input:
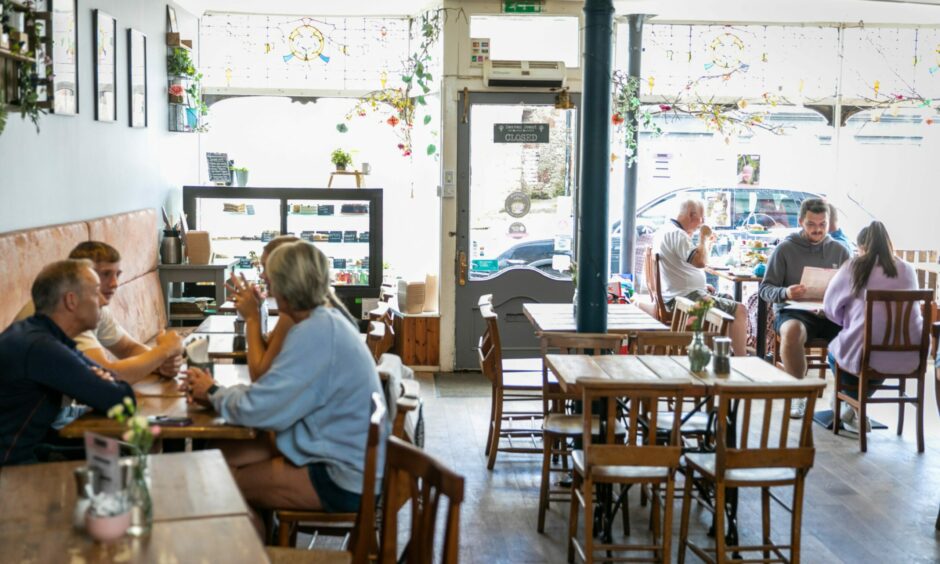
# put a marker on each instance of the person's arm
(136, 366)
(292, 388)
(699, 255)
(838, 295)
(53, 365)
(772, 288)
(261, 354)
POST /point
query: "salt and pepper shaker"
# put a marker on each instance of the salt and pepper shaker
(721, 361)
(84, 476)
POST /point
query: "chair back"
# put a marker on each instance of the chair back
(681, 314)
(896, 335)
(775, 447)
(602, 398)
(654, 284)
(666, 342)
(717, 321)
(575, 343)
(489, 350)
(924, 279)
(379, 339)
(362, 539)
(426, 481)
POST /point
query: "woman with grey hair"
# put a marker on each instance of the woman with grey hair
(316, 398)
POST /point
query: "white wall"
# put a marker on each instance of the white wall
(77, 168)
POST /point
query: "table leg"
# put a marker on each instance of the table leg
(731, 503)
(738, 291)
(761, 329)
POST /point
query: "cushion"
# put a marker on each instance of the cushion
(134, 235)
(138, 306)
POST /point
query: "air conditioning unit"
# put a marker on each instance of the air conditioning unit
(527, 74)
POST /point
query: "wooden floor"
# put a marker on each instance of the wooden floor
(874, 507)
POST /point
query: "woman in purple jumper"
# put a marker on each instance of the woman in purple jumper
(875, 268)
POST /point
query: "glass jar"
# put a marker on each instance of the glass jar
(699, 353)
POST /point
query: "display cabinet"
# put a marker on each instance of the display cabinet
(346, 224)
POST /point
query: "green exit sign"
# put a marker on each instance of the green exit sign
(522, 6)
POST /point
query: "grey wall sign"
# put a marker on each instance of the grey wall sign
(520, 133)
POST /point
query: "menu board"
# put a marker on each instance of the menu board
(219, 171)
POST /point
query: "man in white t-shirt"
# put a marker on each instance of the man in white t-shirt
(129, 359)
(681, 264)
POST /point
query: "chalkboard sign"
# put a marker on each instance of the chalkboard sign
(219, 171)
(520, 133)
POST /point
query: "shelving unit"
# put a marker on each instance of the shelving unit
(183, 115)
(16, 59)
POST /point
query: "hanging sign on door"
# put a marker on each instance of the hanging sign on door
(520, 133)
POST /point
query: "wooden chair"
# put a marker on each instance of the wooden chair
(681, 314)
(512, 364)
(559, 426)
(717, 321)
(362, 536)
(427, 481)
(651, 269)
(899, 307)
(666, 342)
(281, 555)
(508, 387)
(637, 461)
(380, 339)
(936, 335)
(775, 460)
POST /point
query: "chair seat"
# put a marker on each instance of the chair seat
(522, 365)
(562, 424)
(281, 555)
(615, 473)
(696, 424)
(526, 380)
(705, 464)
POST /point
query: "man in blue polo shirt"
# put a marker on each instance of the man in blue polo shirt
(39, 363)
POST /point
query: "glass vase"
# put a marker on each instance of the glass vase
(139, 498)
(699, 353)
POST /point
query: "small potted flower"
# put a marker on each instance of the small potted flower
(139, 435)
(341, 159)
(176, 93)
(108, 517)
(241, 176)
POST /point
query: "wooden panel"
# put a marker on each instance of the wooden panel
(226, 539)
(417, 339)
(185, 485)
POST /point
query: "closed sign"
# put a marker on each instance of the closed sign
(520, 133)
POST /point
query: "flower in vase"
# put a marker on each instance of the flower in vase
(698, 311)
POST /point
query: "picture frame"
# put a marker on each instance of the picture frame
(105, 59)
(136, 78)
(171, 19)
(65, 81)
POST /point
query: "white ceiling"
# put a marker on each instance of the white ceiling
(922, 12)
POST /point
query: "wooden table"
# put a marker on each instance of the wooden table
(226, 324)
(206, 422)
(157, 386)
(738, 278)
(198, 513)
(229, 307)
(221, 346)
(621, 318)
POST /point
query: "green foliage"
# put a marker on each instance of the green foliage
(178, 63)
(340, 157)
(626, 104)
(28, 100)
(239, 169)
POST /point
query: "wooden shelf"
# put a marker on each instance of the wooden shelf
(173, 40)
(16, 56)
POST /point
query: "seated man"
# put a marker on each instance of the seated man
(812, 246)
(40, 364)
(836, 232)
(682, 262)
(134, 359)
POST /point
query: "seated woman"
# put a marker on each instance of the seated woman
(875, 268)
(316, 398)
(262, 349)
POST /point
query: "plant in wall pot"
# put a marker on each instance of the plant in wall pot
(241, 176)
(341, 159)
(179, 64)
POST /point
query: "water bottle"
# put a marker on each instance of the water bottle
(171, 248)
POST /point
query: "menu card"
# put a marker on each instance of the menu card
(103, 455)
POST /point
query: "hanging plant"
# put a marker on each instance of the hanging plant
(626, 100)
(178, 63)
(406, 101)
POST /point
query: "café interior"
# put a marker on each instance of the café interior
(469, 281)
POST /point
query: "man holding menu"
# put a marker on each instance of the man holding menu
(785, 285)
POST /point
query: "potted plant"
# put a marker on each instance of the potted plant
(341, 159)
(178, 63)
(108, 515)
(241, 176)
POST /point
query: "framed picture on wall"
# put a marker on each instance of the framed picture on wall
(64, 56)
(137, 77)
(171, 19)
(105, 47)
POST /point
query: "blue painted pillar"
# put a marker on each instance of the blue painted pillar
(595, 164)
(628, 220)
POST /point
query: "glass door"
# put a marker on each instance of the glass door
(517, 177)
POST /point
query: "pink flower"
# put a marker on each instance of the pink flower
(127, 436)
(393, 121)
(665, 107)
(616, 119)
(155, 430)
(176, 90)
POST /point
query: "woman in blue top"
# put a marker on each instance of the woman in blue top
(316, 398)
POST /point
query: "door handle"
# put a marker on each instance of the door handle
(462, 268)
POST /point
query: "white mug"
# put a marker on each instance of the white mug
(366, 168)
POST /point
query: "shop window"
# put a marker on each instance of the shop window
(530, 38)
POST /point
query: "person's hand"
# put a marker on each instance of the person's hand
(171, 366)
(711, 289)
(197, 385)
(796, 291)
(245, 296)
(102, 373)
(170, 342)
(706, 233)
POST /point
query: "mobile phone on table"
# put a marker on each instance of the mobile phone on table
(170, 421)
